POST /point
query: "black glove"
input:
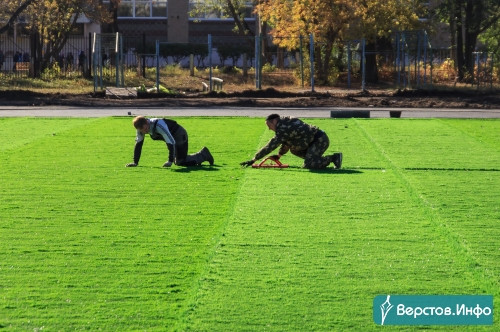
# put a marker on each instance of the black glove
(275, 157)
(247, 163)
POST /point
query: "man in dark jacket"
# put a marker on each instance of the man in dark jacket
(176, 138)
(303, 140)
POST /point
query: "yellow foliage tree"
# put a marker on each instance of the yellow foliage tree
(327, 21)
(332, 22)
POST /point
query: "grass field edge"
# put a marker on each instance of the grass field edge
(486, 278)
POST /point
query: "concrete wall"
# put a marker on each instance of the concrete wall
(178, 21)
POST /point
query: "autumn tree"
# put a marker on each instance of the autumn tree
(51, 22)
(10, 13)
(111, 26)
(332, 22)
(327, 21)
(468, 19)
(379, 19)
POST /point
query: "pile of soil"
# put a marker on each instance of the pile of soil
(486, 99)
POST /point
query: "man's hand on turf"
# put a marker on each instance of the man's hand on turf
(247, 163)
(131, 165)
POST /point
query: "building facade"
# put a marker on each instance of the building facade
(176, 21)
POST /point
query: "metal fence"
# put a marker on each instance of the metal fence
(409, 61)
(16, 56)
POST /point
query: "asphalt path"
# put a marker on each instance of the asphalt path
(318, 112)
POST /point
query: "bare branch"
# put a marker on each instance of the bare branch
(15, 15)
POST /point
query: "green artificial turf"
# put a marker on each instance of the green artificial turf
(87, 244)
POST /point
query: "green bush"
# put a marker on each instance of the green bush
(268, 68)
(52, 72)
(233, 52)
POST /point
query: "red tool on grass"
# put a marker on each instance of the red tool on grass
(273, 163)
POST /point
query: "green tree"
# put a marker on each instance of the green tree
(490, 39)
(468, 19)
(378, 20)
(235, 9)
(492, 44)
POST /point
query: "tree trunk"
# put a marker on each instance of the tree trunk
(474, 12)
(266, 55)
(10, 23)
(318, 63)
(35, 55)
(112, 27)
(325, 68)
(453, 37)
(371, 64)
(338, 61)
(460, 42)
(469, 48)
(243, 28)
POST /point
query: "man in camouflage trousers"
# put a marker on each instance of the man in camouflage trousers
(303, 140)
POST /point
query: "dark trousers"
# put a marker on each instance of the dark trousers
(181, 150)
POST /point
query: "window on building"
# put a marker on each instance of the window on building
(206, 9)
(141, 8)
(159, 8)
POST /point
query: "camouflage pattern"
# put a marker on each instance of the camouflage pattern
(313, 155)
(301, 139)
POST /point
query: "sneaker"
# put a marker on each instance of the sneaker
(337, 160)
(208, 156)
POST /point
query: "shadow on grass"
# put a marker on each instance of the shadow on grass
(335, 171)
(196, 168)
(452, 169)
(327, 170)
